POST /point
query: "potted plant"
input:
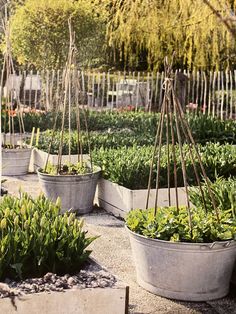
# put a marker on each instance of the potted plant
(185, 253)
(74, 183)
(15, 155)
(172, 262)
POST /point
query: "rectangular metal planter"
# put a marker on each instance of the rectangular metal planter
(119, 200)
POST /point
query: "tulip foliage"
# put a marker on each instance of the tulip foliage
(35, 239)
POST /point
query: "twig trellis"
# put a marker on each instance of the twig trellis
(70, 81)
(173, 118)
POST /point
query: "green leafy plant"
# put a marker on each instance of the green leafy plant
(170, 224)
(68, 169)
(141, 124)
(224, 193)
(114, 139)
(130, 166)
(35, 239)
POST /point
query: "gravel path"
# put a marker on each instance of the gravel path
(112, 250)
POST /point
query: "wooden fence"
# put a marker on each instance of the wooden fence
(214, 93)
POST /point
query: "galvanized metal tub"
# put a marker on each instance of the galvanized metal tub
(233, 278)
(75, 191)
(183, 271)
(15, 162)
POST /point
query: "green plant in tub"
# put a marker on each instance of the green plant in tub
(68, 169)
(170, 224)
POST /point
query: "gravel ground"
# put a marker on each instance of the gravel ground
(112, 250)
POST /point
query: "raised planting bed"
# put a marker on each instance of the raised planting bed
(119, 200)
(93, 290)
(126, 173)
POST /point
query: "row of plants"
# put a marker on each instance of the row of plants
(129, 167)
(35, 239)
(204, 128)
(119, 138)
(112, 139)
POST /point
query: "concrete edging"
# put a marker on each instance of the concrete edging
(119, 200)
(76, 301)
(97, 300)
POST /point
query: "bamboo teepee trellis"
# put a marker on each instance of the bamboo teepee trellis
(70, 80)
(8, 71)
(173, 117)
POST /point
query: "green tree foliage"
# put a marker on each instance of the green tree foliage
(40, 34)
(159, 27)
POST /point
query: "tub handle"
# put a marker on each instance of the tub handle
(226, 244)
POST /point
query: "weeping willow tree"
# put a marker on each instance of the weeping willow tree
(159, 27)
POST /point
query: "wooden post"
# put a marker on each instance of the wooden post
(222, 96)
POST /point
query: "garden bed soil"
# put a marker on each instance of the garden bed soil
(92, 290)
(119, 200)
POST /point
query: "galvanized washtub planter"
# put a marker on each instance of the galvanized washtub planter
(183, 271)
(233, 279)
(15, 162)
(75, 191)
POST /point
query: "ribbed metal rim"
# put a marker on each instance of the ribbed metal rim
(224, 244)
(69, 175)
(17, 150)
